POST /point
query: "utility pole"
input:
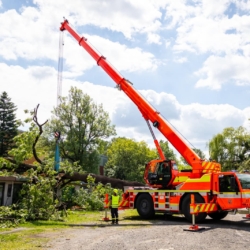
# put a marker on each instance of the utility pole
(57, 153)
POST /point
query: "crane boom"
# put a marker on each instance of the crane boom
(146, 109)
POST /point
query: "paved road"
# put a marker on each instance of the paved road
(231, 233)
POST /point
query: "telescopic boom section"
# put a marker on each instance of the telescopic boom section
(148, 112)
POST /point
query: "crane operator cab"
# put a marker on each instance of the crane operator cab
(161, 173)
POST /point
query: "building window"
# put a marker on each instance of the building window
(1, 193)
(9, 190)
(16, 192)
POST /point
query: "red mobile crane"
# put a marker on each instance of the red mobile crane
(168, 190)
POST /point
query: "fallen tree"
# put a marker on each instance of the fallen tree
(115, 183)
(65, 178)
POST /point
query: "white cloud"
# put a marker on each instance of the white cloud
(208, 7)
(180, 59)
(167, 43)
(199, 27)
(203, 28)
(27, 36)
(29, 87)
(244, 5)
(195, 122)
(220, 70)
(198, 123)
(202, 35)
(206, 29)
(177, 11)
(125, 16)
(154, 38)
(126, 59)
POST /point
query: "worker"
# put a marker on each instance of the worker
(165, 169)
(114, 203)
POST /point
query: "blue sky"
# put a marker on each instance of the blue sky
(190, 59)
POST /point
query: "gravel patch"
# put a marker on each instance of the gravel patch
(168, 234)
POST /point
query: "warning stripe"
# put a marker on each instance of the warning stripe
(211, 167)
(203, 207)
(123, 203)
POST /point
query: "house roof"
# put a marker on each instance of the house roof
(13, 178)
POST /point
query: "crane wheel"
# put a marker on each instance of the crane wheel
(186, 208)
(218, 215)
(145, 207)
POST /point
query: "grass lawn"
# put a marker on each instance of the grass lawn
(32, 235)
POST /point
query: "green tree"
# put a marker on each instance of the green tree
(8, 123)
(230, 148)
(168, 152)
(40, 197)
(198, 152)
(82, 124)
(127, 159)
(103, 146)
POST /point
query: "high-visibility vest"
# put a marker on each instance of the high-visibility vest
(115, 201)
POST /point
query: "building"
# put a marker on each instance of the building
(10, 187)
(103, 161)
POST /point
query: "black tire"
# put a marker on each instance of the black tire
(145, 206)
(185, 208)
(218, 215)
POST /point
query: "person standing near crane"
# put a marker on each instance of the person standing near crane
(114, 203)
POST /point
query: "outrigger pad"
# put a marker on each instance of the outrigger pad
(194, 228)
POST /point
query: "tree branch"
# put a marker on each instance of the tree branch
(40, 126)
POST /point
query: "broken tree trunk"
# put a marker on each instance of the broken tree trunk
(115, 183)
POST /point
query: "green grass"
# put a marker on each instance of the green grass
(33, 233)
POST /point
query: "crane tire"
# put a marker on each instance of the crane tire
(145, 206)
(185, 208)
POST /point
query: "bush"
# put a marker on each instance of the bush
(90, 198)
(10, 216)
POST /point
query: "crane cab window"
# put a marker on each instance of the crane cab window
(164, 168)
(225, 183)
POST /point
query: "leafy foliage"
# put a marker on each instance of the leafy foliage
(127, 159)
(11, 216)
(90, 198)
(231, 148)
(23, 142)
(199, 153)
(168, 152)
(82, 124)
(38, 197)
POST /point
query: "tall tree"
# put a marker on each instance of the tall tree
(82, 124)
(198, 152)
(8, 123)
(127, 159)
(230, 148)
(168, 152)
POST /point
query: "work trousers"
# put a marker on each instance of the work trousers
(114, 215)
